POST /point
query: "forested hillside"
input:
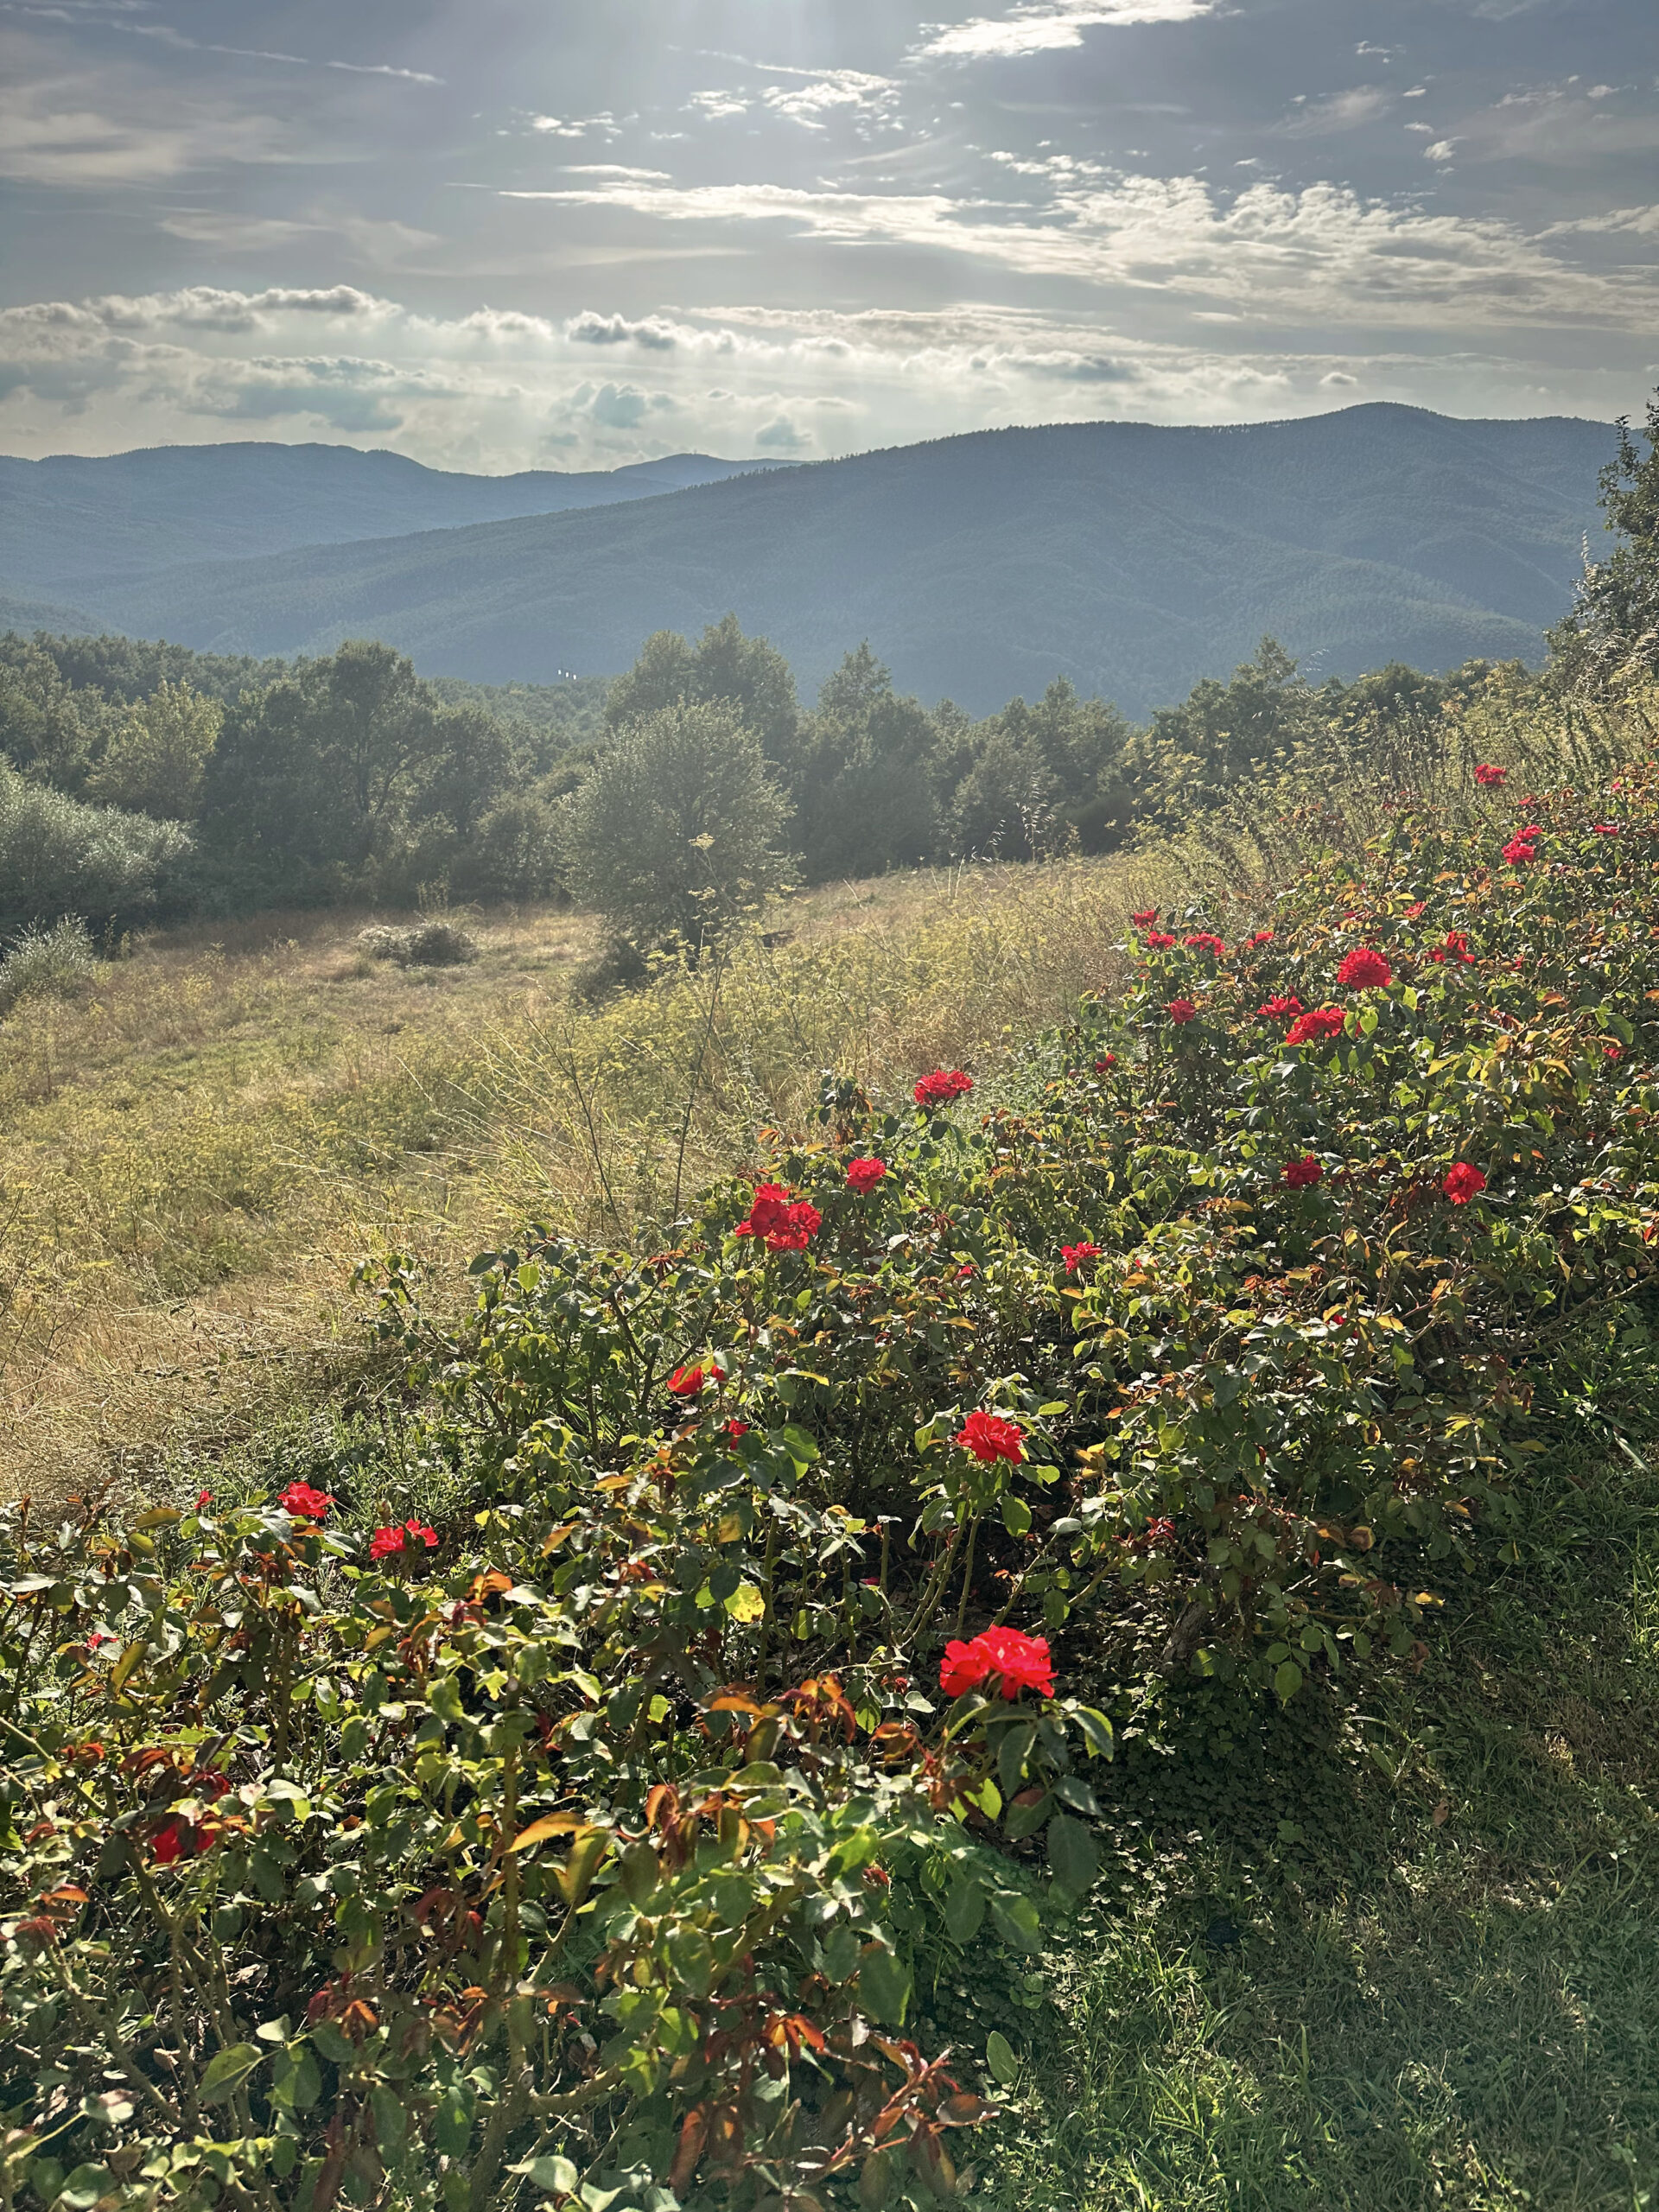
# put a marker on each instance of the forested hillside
(72, 526)
(350, 777)
(1131, 560)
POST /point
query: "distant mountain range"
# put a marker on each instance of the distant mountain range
(1131, 558)
(71, 527)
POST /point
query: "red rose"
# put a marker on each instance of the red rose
(1518, 851)
(1201, 941)
(1285, 1007)
(943, 1088)
(689, 1382)
(1106, 1063)
(1605, 828)
(1416, 907)
(1464, 1183)
(1611, 1053)
(1075, 1255)
(988, 1436)
(204, 1499)
(387, 1543)
(783, 1225)
(734, 1428)
(1144, 921)
(1158, 941)
(1018, 1663)
(1364, 970)
(865, 1174)
(1323, 1021)
(1302, 1173)
(1487, 772)
(1182, 1011)
(300, 1500)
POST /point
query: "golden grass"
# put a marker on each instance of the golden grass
(195, 1156)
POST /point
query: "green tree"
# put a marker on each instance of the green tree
(676, 830)
(1611, 639)
(50, 731)
(867, 799)
(349, 774)
(157, 753)
(744, 673)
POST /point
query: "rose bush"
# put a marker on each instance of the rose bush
(593, 1843)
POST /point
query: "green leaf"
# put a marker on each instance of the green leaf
(884, 1986)
(746, 1603)
(390, 2117)
(1001, 2058)
(452, 2123)
(1097, 1730)
(798, 1445)
(1071, 1854)
(1015, 1920)
(964, 1908)
(1026, 1820)
(841, 1950)
(1011, 1755)
(1287, 1680)
(1016, 1516)
(556, 2174)
(227, 2071)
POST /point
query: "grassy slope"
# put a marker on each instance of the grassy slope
(193, 1159)
(1385, 1956)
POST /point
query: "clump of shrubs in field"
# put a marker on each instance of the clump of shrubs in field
(53, 963)
(588, 1839)
(432, 944)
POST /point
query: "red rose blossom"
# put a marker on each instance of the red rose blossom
(1285, 1007)
(1611, 1053)
(782, 1223)
(988, 1437)
(734, 1428)
(1145, 920)
(1075, 1255)
(204, 1499)
(303, 1503)
(1201, 941)
(1463, 1183)
(689, 1382)
(864, 1174)
(1364, 970)
(943, 1088)
(1182, 1011)
(1158, 941)
(1518, 851)
(1106, 1063)
(1323, 1021)
(1302, 1173)
(1605, 829)
(1015, 1662)
(386, 1543)
(1487, 772)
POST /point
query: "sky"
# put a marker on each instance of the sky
(504, 234)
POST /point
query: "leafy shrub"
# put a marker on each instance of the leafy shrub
(592, 1825)
(60, 857)
(46, 963)
(431, 944)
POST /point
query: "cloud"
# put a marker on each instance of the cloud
(781, 435)
(1338, 112)
(91, 129)
(1047, 25)
(806, 97)
(497, 389)
(1323, 254)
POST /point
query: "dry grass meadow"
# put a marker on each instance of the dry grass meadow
(196, 1152)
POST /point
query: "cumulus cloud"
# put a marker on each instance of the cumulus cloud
(1268, 251)
(1048, 24)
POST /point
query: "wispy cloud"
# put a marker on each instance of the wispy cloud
(1045, 25)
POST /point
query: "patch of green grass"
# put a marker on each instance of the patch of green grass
(1395, 1948)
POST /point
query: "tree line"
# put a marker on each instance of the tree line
(676, 794)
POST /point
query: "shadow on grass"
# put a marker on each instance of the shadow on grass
(1397, 1947)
